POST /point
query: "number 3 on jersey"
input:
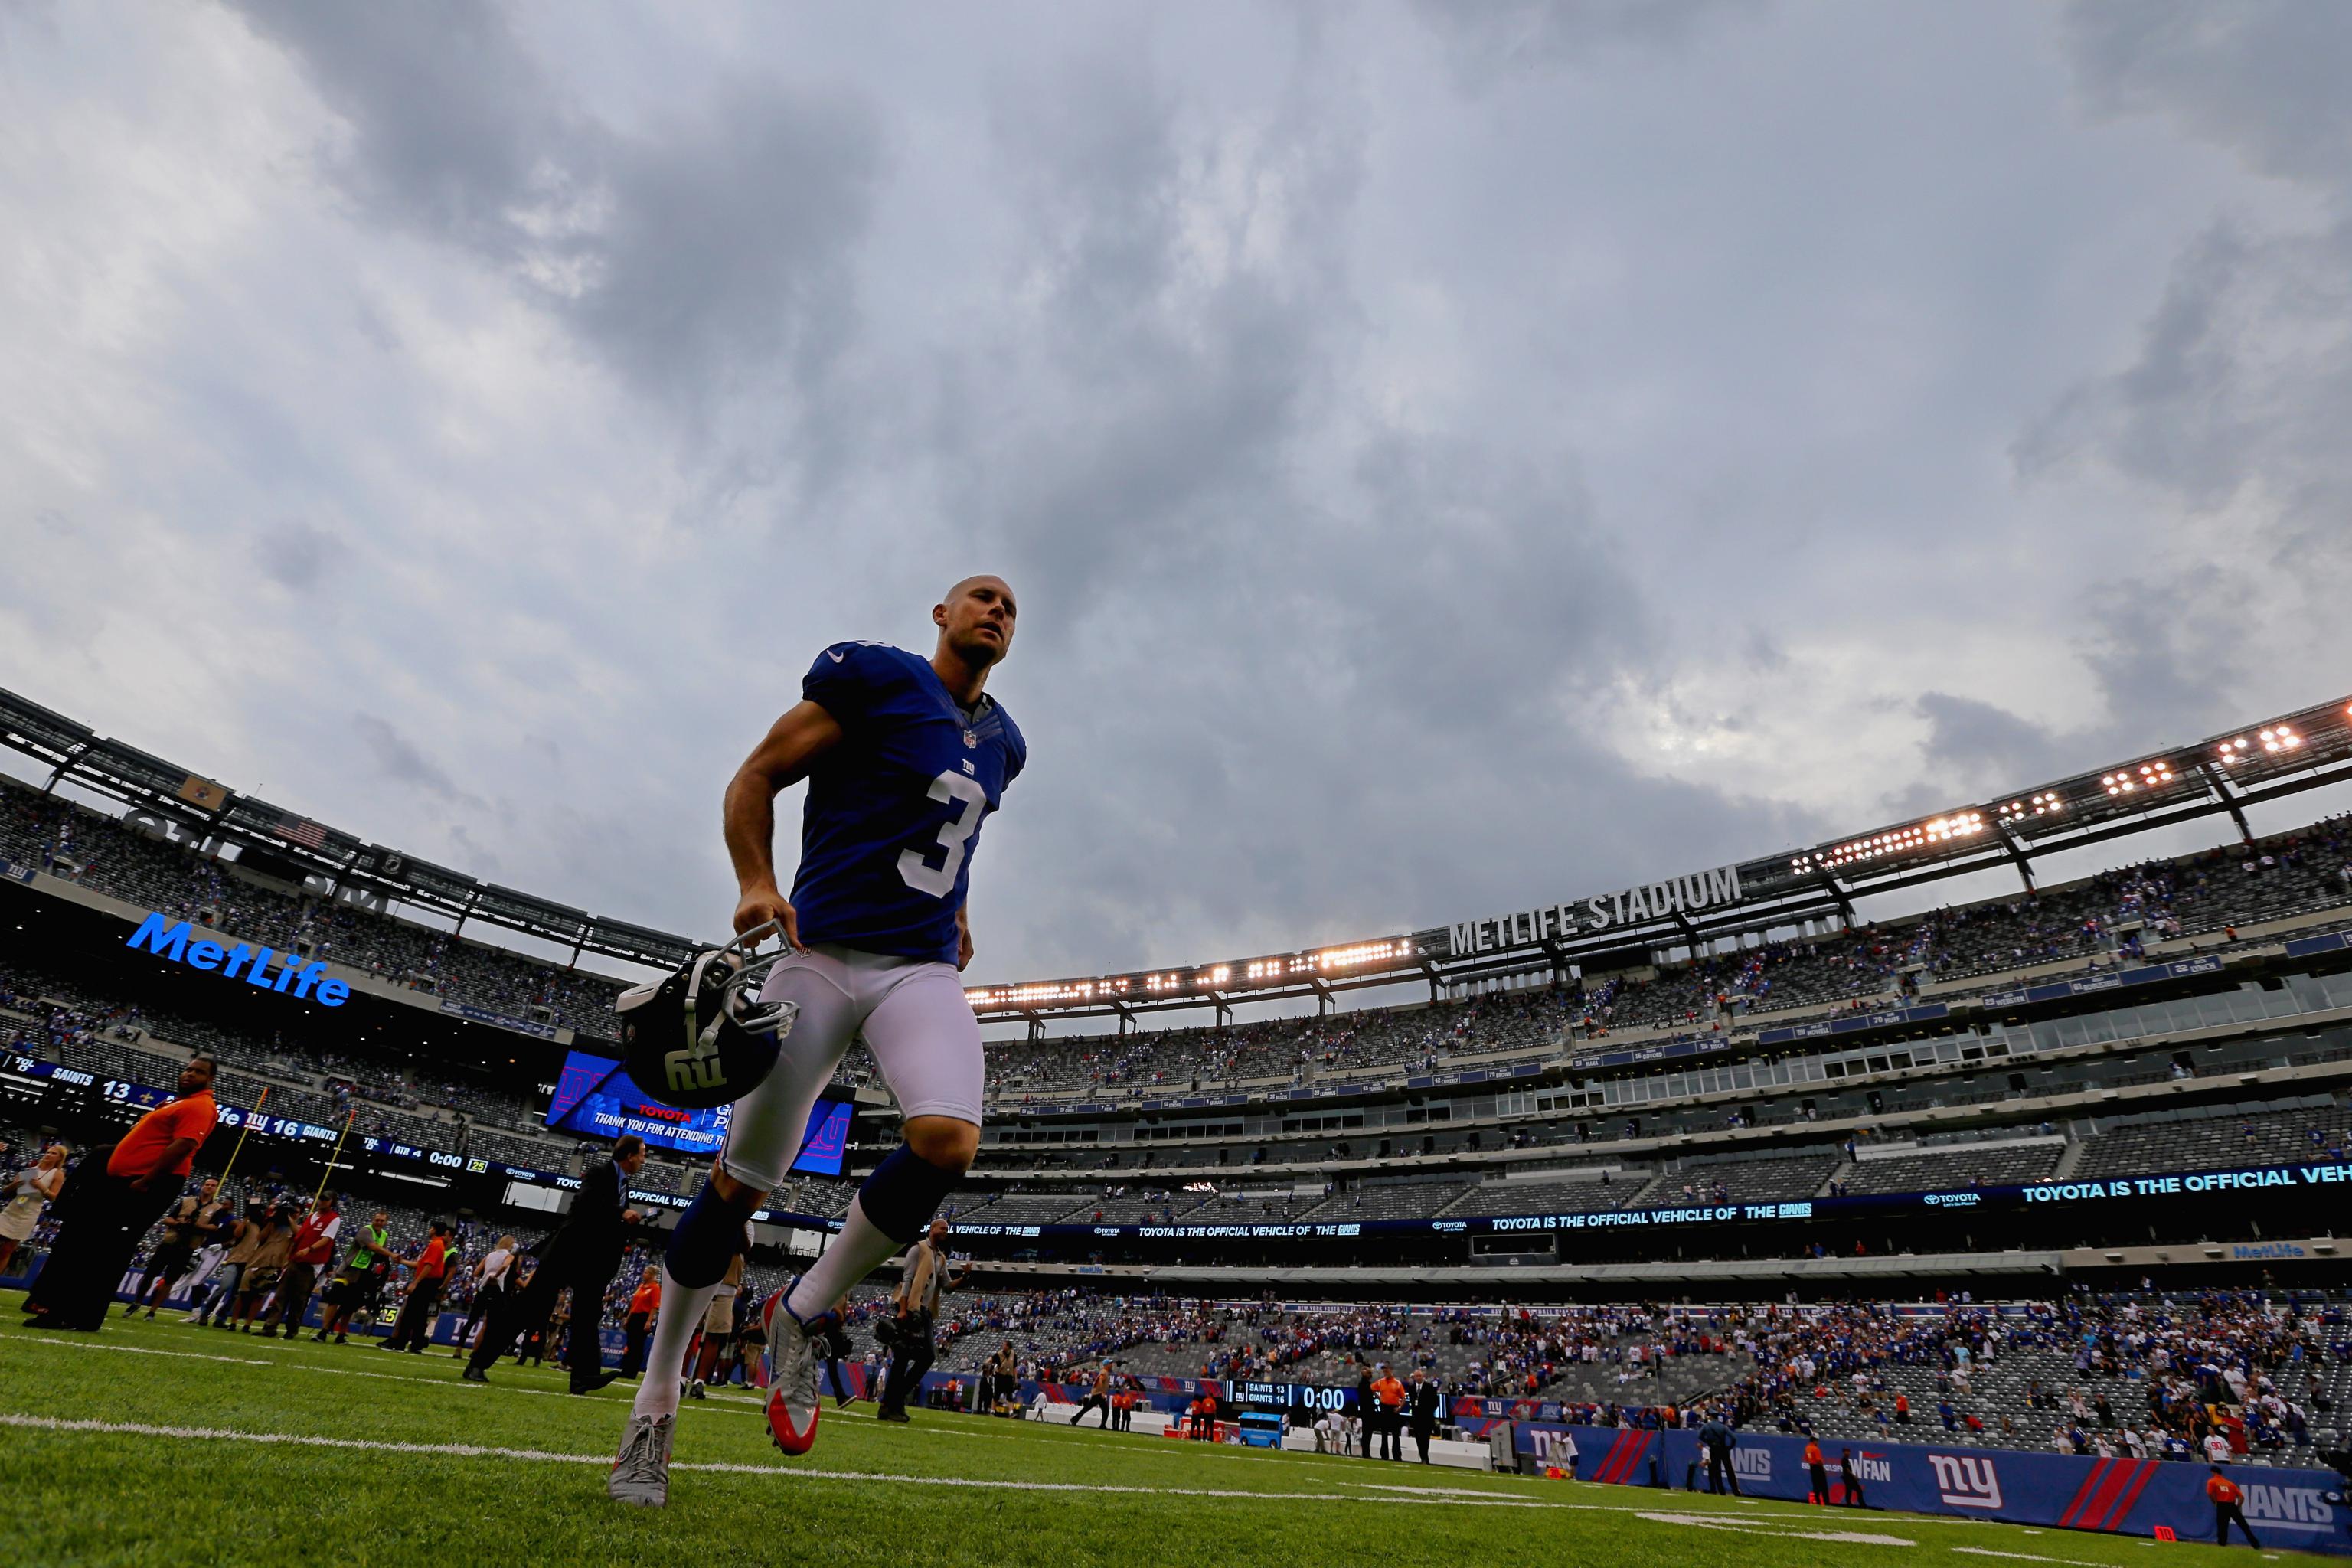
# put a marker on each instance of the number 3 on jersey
(955, 834)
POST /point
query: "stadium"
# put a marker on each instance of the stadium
(1932, 1190)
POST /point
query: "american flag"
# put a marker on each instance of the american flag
(301, 830)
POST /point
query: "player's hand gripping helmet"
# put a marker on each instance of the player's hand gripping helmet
(700, 1036)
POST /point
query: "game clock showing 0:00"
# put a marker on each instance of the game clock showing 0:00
(1292, 1396)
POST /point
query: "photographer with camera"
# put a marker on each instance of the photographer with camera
(908, 1331)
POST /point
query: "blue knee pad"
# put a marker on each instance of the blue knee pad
(708, 1235)
(903, 1194)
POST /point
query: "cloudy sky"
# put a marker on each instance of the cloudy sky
(1449, 455)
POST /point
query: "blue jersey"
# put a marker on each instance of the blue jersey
(894, 811)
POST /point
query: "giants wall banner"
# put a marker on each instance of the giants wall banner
(2302, 1510)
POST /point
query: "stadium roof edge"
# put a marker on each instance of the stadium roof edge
(2223, 773)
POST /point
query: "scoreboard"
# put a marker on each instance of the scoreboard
(1303, 1401)
(113, 1090)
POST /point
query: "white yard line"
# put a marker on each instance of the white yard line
(1754, 1527)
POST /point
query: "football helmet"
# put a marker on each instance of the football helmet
(700, 1036)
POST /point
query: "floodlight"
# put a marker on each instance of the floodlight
(1359, 954)
(1048, 993)
(2042, 803)
(1918, 836)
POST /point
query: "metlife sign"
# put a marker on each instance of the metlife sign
(180, 944)
(1628, 906)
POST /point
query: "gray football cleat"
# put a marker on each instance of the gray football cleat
(640, 1470)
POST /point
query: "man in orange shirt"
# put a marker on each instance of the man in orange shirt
(2226, 1497)
(1816, 1473)
(117, 1194)
(1388, 1395)
(427, 1272)
(643, 1302)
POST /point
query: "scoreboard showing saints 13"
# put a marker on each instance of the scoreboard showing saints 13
(1303, 1401)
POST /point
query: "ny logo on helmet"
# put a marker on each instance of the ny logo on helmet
(695, 1066)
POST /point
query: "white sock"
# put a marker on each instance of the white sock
(857, 1251)
(682, 1310)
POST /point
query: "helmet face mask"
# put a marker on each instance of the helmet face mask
(700, 1036)
(744, 973)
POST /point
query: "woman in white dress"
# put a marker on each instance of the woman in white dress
(32, 1191)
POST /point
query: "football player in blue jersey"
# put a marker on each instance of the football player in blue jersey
(904, 758)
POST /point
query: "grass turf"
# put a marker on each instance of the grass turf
(154, 1443)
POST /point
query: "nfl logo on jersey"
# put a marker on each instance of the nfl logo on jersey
(972, 739)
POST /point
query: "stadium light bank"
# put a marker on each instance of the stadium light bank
(181, 945)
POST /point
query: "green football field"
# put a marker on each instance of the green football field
(154, 1443)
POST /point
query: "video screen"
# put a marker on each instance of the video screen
(596, 1099)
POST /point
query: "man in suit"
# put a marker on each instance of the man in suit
(1421, 1412)
(584, 1253)
(1715, 1441)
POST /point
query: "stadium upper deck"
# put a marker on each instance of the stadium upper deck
(325, 873)
(2141, 913)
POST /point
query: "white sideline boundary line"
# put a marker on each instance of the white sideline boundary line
(544, 1455)
(458, 1383)
(734, 1403)
(1638, 1501)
